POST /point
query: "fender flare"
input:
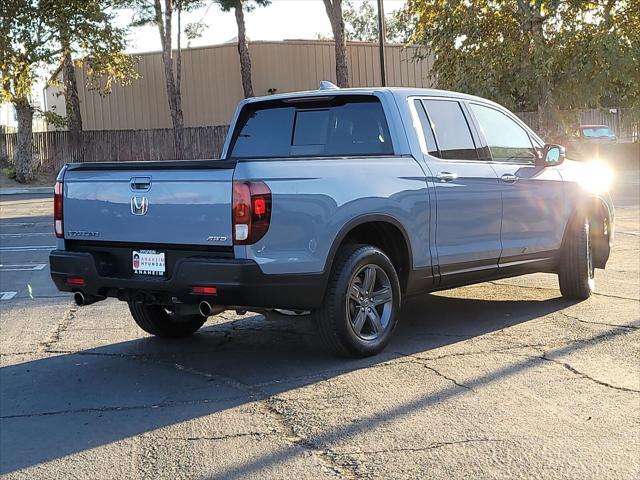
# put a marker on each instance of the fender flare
(361, 220)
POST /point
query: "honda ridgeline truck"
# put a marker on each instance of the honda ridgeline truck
(336, 202)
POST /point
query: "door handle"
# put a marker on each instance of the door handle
(446, 176)
(509, 178)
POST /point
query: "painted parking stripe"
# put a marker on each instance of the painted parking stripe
(22, 268)
(29, 248)
(7, 295)
(24, 224)
(18, 235)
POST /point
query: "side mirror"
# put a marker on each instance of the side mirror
(552, 155)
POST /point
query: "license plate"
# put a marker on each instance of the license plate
(148, 262)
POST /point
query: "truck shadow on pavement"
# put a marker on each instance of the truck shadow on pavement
(74, 402)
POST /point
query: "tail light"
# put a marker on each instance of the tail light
(57, 210)
(251, 211)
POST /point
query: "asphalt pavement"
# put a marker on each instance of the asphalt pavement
(498, 380)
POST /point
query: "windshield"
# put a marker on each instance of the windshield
(597, 132)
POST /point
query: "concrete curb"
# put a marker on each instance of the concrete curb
(26, 190)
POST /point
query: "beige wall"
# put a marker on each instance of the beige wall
(211, 86)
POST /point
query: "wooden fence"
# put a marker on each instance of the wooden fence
(52, 149)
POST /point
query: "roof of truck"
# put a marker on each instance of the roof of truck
(397, 91)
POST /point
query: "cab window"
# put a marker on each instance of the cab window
(507, 141)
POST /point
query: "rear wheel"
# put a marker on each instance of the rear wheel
(163, 322)
(361, 306)
(576, 274)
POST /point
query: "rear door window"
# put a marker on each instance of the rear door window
(342, 126)
(451, 130)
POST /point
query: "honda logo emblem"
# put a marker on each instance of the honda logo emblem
(139, 205)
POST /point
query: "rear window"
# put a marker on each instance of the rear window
(339, 126)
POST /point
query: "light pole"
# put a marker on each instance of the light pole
(381, 37)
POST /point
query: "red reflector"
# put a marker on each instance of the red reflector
(259, 206)
(75, 281)
(204, 290)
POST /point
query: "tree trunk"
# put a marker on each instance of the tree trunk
(72, 101)
(24, 149)
(172, 84)
(243, 51)
(334, 11)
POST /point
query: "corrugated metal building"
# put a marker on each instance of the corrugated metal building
(211, 85)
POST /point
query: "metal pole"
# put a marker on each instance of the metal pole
(381, 37)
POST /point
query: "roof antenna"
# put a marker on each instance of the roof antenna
(327, 85)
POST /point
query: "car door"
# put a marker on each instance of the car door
(532, 195)
(467, 197)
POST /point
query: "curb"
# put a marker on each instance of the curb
(26, 190)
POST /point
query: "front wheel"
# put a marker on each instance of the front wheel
(362, 302)
(576, 273)
(162, 322)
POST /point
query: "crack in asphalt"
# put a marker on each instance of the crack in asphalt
(421, 361)
(473, 352)
(614, 325)
(326, 456)
(60, 328)
(543, 356)
(216, 438)
(584, 375)
(431, 446)
(177, 403)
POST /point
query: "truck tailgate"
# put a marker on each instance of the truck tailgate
(177, 203)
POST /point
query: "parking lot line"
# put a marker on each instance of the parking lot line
(22, 268)
(18, 235)
(28, 248)
(7, 295)
(24, 224)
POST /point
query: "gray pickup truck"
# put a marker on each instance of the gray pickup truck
(334, 202)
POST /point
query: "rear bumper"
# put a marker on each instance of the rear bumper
(239, 283)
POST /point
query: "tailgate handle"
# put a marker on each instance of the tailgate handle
(140, 183)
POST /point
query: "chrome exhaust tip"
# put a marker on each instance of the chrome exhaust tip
(79, 298)
(205, 308)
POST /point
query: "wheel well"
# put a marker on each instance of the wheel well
(388, 238)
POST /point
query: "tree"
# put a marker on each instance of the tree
(161, 14)
(334, 12)
(37, 33)
(25, 46)
(534, 54)
(243, 49)
(362, 23)
(85, 33)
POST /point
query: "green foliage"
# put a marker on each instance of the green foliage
(52, 118)
(25, 46)
(36, 33)
(530, 53)
(361, 23)
(9, 172)
(86, 29)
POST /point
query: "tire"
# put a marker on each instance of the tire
(158, 321)
(576, 272)
(359, 325)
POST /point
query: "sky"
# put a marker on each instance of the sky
(283, 19)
